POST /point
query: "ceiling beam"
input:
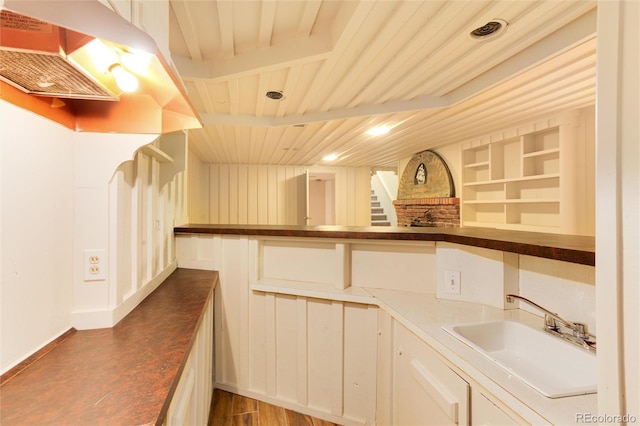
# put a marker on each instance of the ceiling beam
(187, 28)
(285, 54)
(568, 37)
(267, 17)
(311, 9)
(225, 23)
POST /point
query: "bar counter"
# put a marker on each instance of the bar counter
(124, 375)
(568, 248)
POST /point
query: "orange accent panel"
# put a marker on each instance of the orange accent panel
(64, 115)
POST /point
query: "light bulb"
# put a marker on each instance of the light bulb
(379, 131)
(137, 62)
(126, 81)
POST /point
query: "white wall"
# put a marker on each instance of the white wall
(36, 232)
(63, 193)
(268, 195)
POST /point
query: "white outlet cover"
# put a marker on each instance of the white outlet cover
(94, 270)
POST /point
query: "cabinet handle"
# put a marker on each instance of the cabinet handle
(438, 392)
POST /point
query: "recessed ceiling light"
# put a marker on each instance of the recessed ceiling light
(489, 30)
(330, 157)
(379, 130)
(275, 94)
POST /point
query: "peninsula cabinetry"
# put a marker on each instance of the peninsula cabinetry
(530, 180)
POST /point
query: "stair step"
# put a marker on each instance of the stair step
(375, 204)
(382, 217)
(374, 198)
(381, 223)
(377, 210)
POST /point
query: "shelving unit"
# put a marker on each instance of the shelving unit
(170, 151)
(155, 152)
(514, 183)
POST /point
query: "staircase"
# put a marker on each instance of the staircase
(378, 217)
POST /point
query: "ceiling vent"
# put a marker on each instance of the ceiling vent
(275, 94)
(490, 30)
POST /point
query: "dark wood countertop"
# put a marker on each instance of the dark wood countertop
(568, 248)
(124, 375)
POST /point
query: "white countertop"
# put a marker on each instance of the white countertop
(425, 315)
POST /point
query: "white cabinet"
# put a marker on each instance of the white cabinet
(415, 387)
(192, 399)
(486, 412)
(534, 180)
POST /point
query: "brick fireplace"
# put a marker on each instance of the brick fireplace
(426, 194)
(441, 212)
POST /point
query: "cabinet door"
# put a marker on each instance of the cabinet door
(425, 390)
(485, 412)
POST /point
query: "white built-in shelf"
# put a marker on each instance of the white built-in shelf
(552, 151)
(513, 183)
(477, 165)
(531, 200)
(518, 179)
(499, 201)
(157, 153)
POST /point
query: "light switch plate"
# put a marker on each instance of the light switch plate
(452, 282)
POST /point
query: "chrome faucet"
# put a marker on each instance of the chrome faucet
(554, 324)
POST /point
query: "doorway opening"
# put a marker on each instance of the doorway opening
(322, 195)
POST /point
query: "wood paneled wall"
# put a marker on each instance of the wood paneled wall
(142, 219)
(198, 189)
(268, 195)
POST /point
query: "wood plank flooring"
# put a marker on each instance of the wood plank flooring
(229, 409)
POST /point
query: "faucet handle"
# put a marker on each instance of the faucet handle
(550, 323)
(581, 331)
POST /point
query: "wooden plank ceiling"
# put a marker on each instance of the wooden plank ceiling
(346, 66)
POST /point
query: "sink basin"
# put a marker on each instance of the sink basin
(550, 365)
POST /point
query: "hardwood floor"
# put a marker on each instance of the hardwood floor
(228, 409)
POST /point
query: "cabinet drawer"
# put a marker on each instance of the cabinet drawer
(426, 390)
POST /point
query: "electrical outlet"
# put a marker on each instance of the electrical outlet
(452, 282)
(95, 265)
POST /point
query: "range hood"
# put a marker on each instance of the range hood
(71, 60)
